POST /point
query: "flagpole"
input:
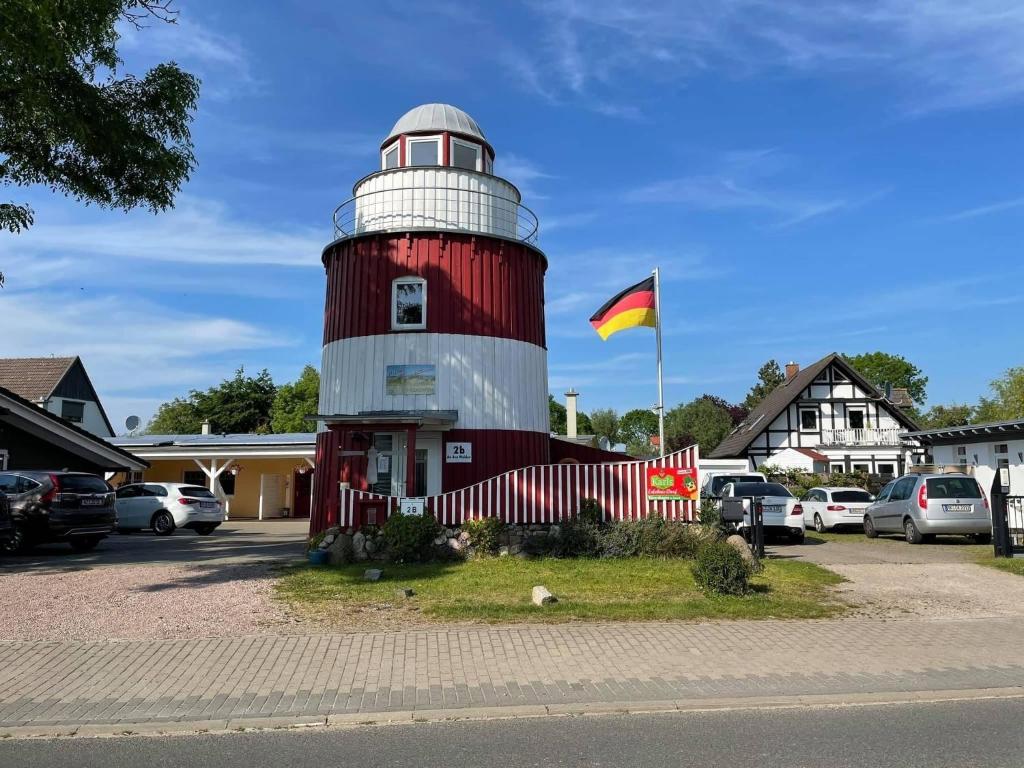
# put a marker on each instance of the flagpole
(661, 385)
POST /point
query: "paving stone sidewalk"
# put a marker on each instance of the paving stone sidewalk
(110, 682)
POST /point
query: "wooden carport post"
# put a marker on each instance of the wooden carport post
(410, 461)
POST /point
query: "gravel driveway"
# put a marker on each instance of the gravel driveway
(145, 587)
(888, 578)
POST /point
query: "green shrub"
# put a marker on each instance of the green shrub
(590, 512)
(720, 569)
(315, 539)
(633, 538)
(410, 537)
(576, 538)
(679, 540)
(484, 534)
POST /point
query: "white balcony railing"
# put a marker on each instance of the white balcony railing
(860, 436)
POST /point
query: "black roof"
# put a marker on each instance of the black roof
(780, 398)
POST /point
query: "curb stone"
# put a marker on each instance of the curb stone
(411, 717)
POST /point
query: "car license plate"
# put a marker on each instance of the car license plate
(208, 504)
(91, 502)
(958, 507)
(772, 509)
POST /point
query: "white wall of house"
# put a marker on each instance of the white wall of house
(983, 458)
(790, 458)
(92, 417)
(838, 407)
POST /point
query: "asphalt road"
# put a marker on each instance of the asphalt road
(972, 733)
(235, 542)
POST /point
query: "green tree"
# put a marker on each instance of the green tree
(295, 401)
(70, 122)
(769, 376)
(946, 416)
(701, 421)
(881, 368)
(238, 405)
(605, 423)
(1007, 401)
(636, 428)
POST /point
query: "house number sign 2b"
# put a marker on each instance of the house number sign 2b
(458, 453)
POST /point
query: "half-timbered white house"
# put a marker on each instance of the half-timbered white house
(828, 408)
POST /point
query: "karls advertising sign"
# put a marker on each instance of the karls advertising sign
(672, 484)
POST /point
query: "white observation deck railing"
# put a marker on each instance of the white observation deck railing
(861, 436)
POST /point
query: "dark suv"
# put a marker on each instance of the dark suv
(6, 528)
(58, 506)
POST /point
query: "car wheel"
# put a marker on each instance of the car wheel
(84, 543)
(796, 538)
(17, 543)
(163, 523)
(869, 528)
(912, 535)
(982, 538)
(205, 529)
(819, 524)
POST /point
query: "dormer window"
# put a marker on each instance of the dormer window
(409, 304)
(390, 157)
(466, 155)
(424, 151)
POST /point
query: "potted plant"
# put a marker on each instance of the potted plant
(314, 554)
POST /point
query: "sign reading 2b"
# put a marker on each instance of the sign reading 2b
(458, 453)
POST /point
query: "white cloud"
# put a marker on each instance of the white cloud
(939, 54)
(749, 180)
(197, 231)
(985, 210)
(130, 347)
(522, 172)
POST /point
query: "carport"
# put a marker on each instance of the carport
(256, 476)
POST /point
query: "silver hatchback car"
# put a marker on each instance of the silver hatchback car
(921, 505)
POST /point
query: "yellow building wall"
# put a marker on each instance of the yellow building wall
(246, 501)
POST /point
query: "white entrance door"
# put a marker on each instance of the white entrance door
(428, 465)
(271, 495)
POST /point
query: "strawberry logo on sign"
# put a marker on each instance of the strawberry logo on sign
(672, 483)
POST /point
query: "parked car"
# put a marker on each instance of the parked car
(715, 481)
(826, 508)
(782, 514)
(921, 505)
(167, 506)
(75, 507)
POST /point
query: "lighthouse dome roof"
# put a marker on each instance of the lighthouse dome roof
(436, 117)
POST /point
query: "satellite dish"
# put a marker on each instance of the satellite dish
(132, 423)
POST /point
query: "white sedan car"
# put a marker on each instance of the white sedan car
(781, 512)
(827, 508)
(166, 506)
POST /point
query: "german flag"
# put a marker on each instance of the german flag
(632, 308)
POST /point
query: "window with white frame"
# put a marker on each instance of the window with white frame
(808, 420)
(73, 411)
(389, 157)
(466, 155)
(961, 454)
(423, 151)
(835, 467)
(409, 304)
(1001, 448)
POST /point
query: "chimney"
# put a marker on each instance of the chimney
(205, 429)
(792, 369)
(570, 412)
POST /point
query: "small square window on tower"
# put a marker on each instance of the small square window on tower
(409, 304)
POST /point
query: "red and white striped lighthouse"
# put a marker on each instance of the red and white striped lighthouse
(434, 371)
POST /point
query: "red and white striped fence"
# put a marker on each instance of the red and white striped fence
(547, 493)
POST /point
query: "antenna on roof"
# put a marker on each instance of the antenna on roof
(132, 424)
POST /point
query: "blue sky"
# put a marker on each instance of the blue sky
(810, 176)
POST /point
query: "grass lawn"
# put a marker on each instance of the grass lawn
(497, 590)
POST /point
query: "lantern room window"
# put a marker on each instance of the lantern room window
(390, 157)
(424, 151)
(466, 155)
(408, 304)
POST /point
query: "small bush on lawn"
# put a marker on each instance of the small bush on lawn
(484, 534)
(711, 518)
(410, 537)
(590, 512)
(720, 569)
(575, 538)
(679, 540)
(633, 538)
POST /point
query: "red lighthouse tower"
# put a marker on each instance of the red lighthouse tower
(434, 370)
